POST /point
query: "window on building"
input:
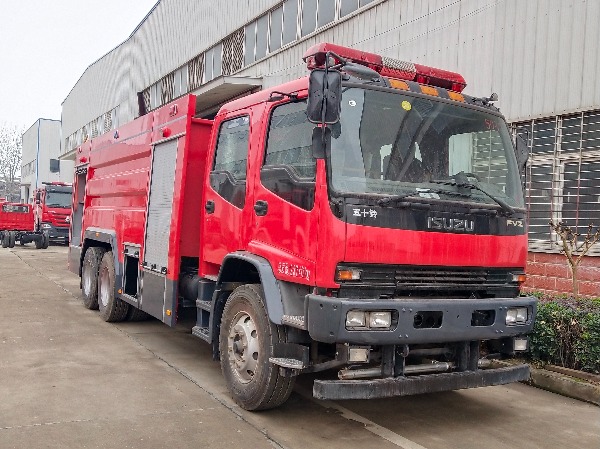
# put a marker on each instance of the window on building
(290, 21)
(212, 63)
(563, 173)
(326, 13)
(309, 17)
(276, 29)
(180, 81)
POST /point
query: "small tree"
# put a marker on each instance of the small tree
(573, 247)
(10, 158)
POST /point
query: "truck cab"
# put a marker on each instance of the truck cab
(53, 210)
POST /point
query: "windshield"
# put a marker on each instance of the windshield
(395, 144)
(58, 199)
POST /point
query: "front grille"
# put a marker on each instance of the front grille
(401, 280)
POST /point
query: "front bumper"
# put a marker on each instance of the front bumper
(326, 319)
(406, 386)
(54, 232)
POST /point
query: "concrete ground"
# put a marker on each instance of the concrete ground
(70, 380)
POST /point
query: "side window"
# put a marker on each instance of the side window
(289, 167)
(228, 175)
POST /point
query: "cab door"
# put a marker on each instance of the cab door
(284, 212)
(227, 201)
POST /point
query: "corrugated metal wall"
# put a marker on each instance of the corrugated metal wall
(540, 56)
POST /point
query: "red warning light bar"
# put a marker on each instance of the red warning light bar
(388, 67)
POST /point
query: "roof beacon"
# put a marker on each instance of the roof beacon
(388, 67)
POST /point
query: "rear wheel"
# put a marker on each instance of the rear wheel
(89, 276)
(246, 342)
(5, 239)
(12, 237)
(111, 308)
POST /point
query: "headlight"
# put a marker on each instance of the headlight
(363, 320)
(380, 320)
(516, 315)
(46, 226)
(356, 318)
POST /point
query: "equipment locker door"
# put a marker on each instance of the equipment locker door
(158, 293)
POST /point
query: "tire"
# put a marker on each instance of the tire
(135, 314)
(39, 241)
(5, 239)
(112, 309)
(12, 237)
(246, 342)
(45, 240)
(89, 276)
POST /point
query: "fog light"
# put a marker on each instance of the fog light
(357, 355)
(380, 320)
(520, 344)
(356, 318)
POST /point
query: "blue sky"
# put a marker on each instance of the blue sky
(47, 45)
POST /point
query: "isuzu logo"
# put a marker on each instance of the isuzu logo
(450, 224)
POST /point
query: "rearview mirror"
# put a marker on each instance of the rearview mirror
(522, 154)
(324, 96)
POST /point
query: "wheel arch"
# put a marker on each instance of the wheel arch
(242, 267)
(103, 238)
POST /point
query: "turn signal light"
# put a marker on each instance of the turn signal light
(348, 275)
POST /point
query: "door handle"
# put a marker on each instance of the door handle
(209, 206)
(261, 207)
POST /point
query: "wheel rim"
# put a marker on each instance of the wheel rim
(103, 287)
(243, 347)
(87, 280)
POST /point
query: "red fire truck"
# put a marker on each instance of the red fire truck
(367, 219)
(53, 209)
(16, 225)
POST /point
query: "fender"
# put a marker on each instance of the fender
(270, 285)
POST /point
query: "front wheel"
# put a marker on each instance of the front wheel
(246, 342)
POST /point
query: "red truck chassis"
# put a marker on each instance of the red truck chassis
(16, 225)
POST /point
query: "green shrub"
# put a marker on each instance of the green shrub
(567, 333)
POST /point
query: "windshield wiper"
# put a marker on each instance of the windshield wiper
(395, 198)
(462, 182)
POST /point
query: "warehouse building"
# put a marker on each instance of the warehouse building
(541, 57)
(40, 158)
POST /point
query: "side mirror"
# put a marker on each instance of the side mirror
(38, 198)
(37, 201)
(321, 142)
(522, 154)
(324, 96)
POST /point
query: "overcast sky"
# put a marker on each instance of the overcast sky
(47, 45)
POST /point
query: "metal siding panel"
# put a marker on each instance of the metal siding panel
(563, 56)
(590, 89)
(160, 205)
